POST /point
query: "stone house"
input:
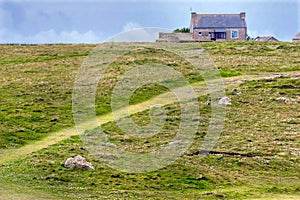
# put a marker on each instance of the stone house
(297, 37)
(265, 38)
(220, 27)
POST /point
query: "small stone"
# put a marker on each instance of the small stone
(225, 101)
(288, 101)
(280, 99)
(174, 143)
(237, 91)
(234, 90)
(207, 103)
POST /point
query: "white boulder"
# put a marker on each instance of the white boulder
(80, 162)
(225, 101)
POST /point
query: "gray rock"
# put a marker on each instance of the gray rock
(288, 100)
(281, 99)
(207, 103)
(70, 163)
(80, 162)
(236, 91)
(225, 101)
(175, 143)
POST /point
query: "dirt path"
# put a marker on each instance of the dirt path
(163, 99)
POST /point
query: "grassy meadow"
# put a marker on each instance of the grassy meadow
(257, 155)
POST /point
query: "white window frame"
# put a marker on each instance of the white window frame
(237, 35)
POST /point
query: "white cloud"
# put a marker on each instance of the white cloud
(51, 36)
(129, 26)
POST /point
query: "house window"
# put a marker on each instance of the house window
(220, 35)
(234, 34)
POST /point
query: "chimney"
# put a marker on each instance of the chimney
(243, 15)
(193, 14)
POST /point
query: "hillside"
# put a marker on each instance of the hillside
(257, 155)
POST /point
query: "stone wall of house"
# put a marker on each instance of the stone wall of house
(242, 33)
(297, 37)
(205, 36)
(208, 34)
(168, 37)
(175, 37)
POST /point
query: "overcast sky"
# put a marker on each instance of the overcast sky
(93, 21)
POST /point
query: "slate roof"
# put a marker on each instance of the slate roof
(297, 37)
(265, 38)
(218, 21)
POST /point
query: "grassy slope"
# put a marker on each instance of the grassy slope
(36, 102)
(251, 127)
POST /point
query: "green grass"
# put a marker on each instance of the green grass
(36, 100)
(247, 130)
(37, 83)
(252, 57)
(229, 73)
